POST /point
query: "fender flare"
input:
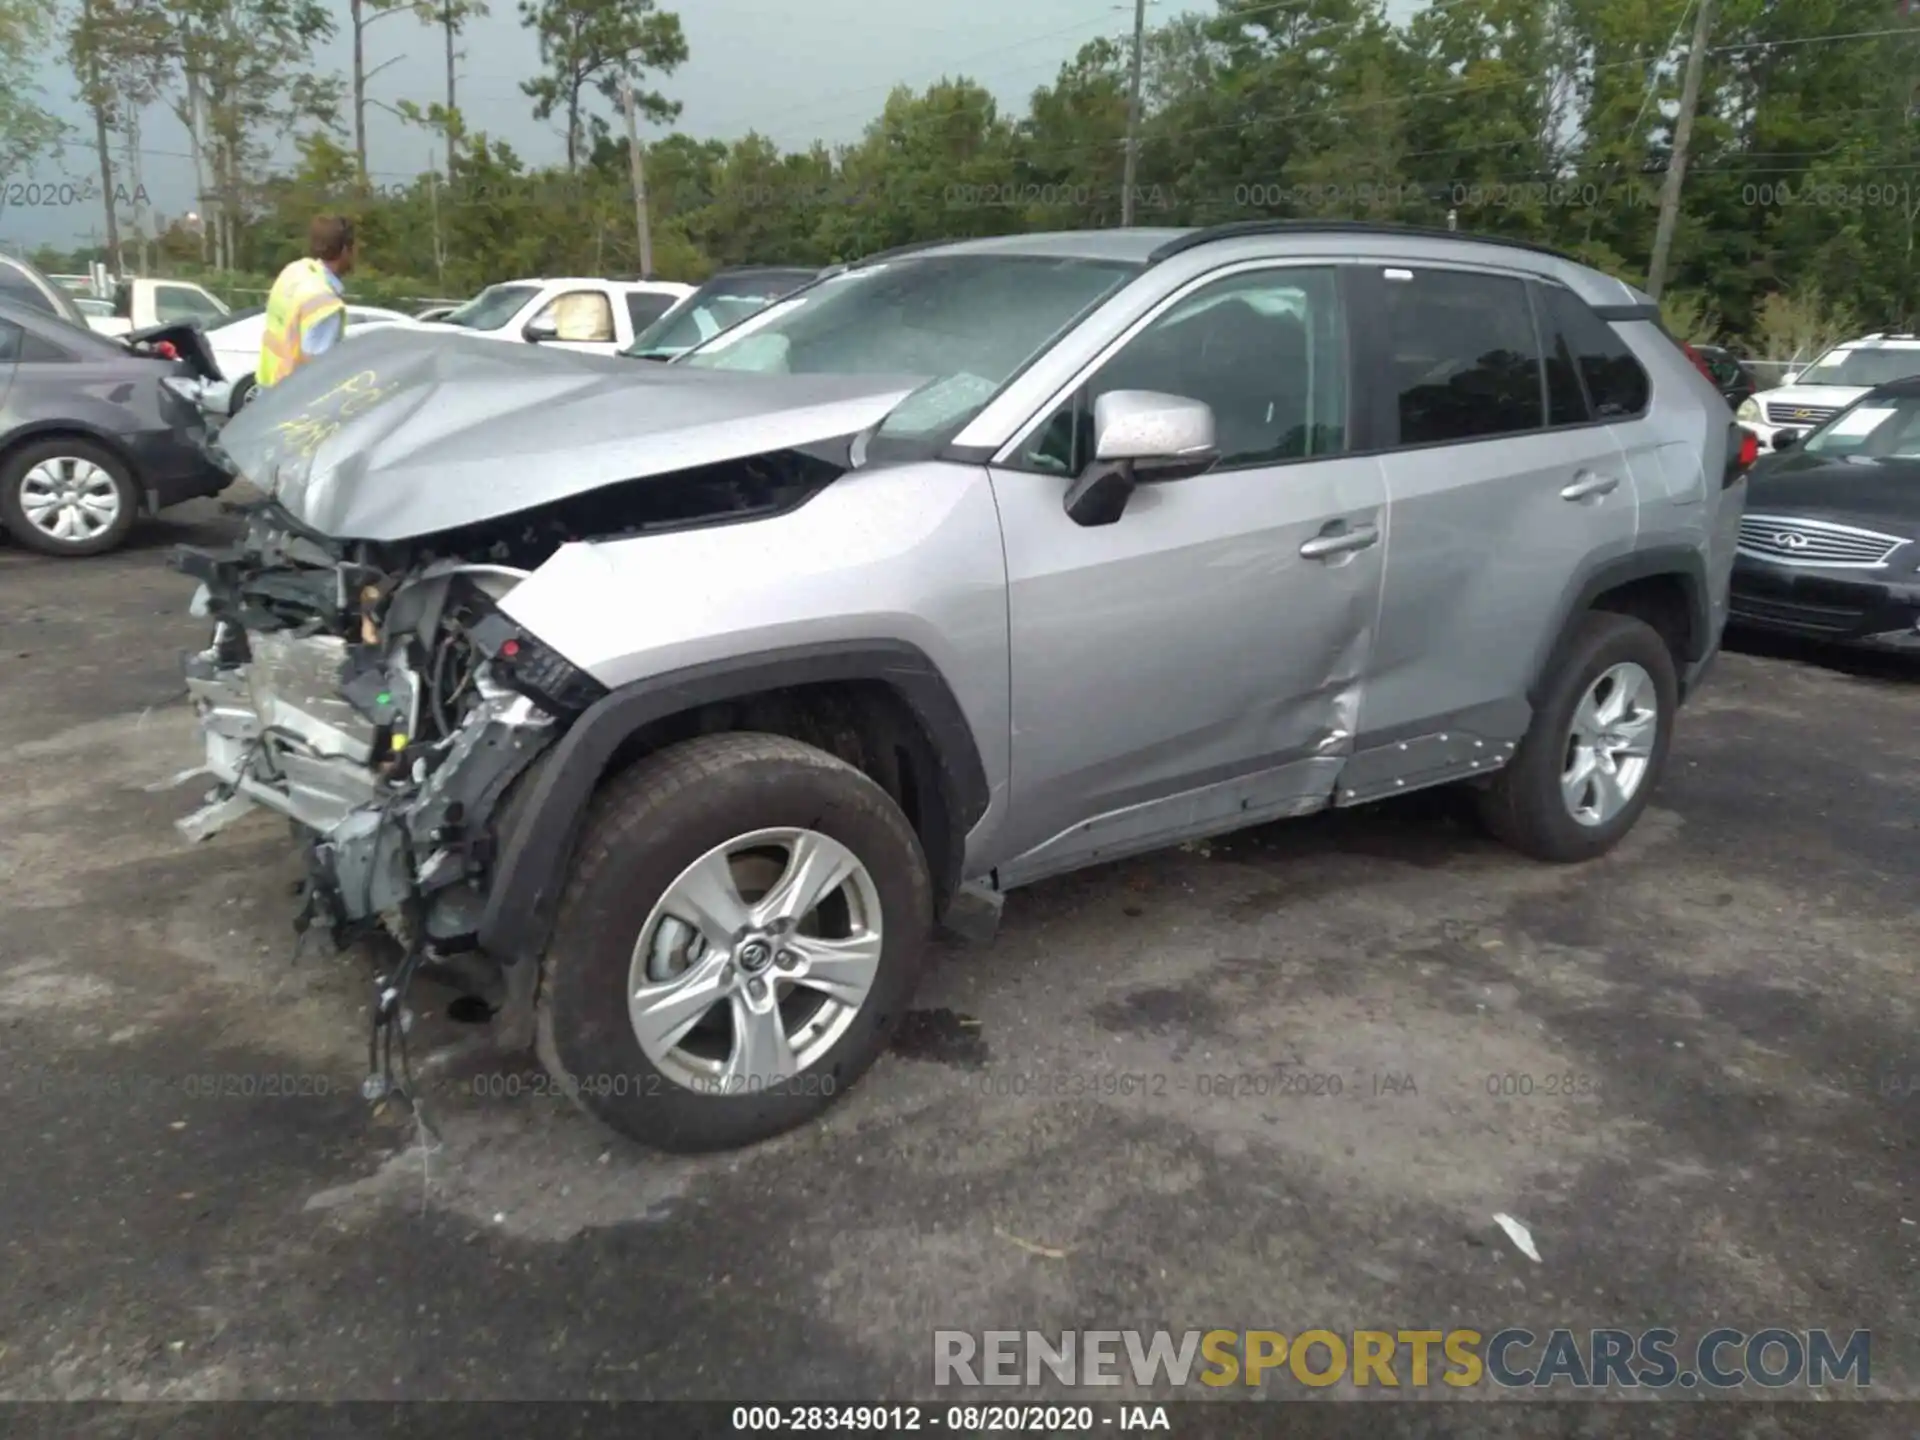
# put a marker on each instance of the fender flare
(530, 874)
(1683, 562)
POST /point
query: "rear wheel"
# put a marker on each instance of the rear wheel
(245, 389)
(1598, 744)
(744, 924)
(67, 497)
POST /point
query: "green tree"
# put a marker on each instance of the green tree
(28, 130)
(590, 45)
(121, 53)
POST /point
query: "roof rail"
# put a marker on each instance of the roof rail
(1235, 229)
(895, 253)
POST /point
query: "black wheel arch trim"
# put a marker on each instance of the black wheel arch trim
(1684, 563)
(530, 875)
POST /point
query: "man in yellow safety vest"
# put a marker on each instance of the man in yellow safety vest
(307, 312)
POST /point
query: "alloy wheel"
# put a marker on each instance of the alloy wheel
(1610, 745)
(755, 961)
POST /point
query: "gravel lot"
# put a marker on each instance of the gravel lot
(1732, 995)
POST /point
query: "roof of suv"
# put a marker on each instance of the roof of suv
(1146, 245)
(1613, 298)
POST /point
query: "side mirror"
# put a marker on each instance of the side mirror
(1785, 439)
(539, 330)
(1140, 437)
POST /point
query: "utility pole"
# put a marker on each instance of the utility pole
(433, 206)
(1133, 113)
(639, 181)
(1682, 138)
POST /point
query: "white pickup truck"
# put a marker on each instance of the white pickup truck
(140, 304)
(599, 317)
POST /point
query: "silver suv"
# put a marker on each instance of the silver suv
(676, 705)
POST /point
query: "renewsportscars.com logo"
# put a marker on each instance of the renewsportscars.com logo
(1511, 1358)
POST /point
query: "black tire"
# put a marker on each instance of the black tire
(245, 391)
(647, 826)
(13, 517)
(1522, 805)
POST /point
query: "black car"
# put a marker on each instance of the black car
(721, 303)
(89, 436)
(1734, 379)
(1830, 542)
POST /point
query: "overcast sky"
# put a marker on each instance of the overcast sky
(794, 72)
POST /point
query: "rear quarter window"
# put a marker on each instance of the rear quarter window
(1615, 383)
(22, 291)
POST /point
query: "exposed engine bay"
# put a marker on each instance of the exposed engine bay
(375, 695)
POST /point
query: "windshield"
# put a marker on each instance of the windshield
(701, 317)
(967, 323)
(1881, 427)
(1862, 367)
(491, 308)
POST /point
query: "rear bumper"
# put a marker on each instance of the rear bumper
(173, 468)
(1872, 610)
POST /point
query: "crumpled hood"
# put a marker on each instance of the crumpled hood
(407, 432)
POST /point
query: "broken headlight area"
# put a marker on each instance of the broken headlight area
(382, 702)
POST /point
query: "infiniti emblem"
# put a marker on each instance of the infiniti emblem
(1790, 540)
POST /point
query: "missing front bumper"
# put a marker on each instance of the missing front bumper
(400, 842)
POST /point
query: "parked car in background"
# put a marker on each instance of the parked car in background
(1830, 544)
(597, 317)
(93, 309)
(778, 645)
(436, 312)
(90, 437)
(142, 303)
(235, 342)
(1729, 374)
(23, 284)
(1810, 397)
(724, 300)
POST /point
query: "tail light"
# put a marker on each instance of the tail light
(1743, 451)
(1700, 363)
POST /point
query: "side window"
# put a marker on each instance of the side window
(11, 336)
(1265, 349)
(1566, 397)
(646, 306)
(1615, 382)
(583, 316)
(175, 303)
(1462, 356)
(22, 291)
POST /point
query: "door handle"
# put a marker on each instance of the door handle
(1340, 542)
(1589, 483)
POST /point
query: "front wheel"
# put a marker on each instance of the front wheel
(1599, 741)
(743, 927)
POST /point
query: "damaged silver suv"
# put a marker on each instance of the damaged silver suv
(677, 704)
